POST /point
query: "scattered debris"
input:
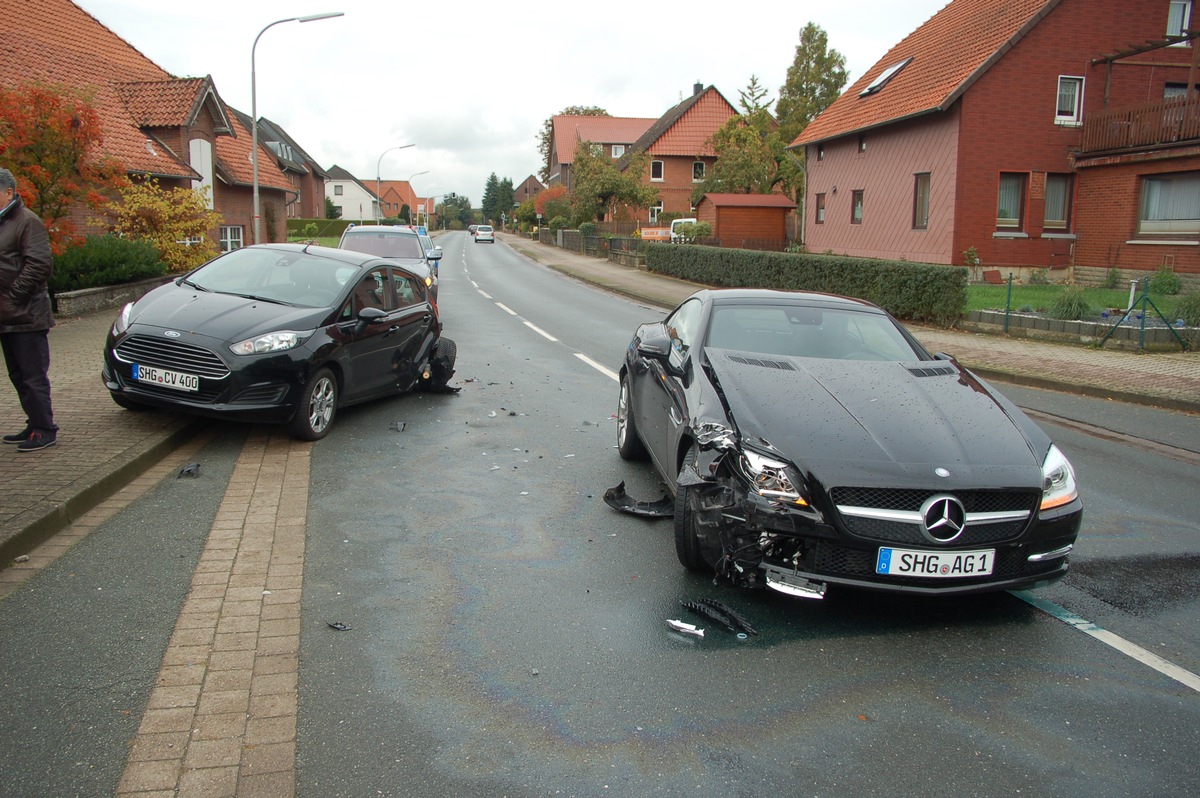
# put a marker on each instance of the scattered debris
(189, 470)
(492, 414)
(721, 614)
(398, 426)
(618, 499)
(21, 558)
(685, 628)
(341, 627)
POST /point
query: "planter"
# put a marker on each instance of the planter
(112, 297)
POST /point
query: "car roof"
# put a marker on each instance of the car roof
(381, 229)
(347, 256)
(737, 296)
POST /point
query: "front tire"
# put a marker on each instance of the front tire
(687, 543)
(318, 406)
(441, 364)
(629, 444)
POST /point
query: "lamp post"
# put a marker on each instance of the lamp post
(254, 108)
(409, 181)
(378, 164)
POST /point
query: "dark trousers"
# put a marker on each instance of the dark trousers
(27, 355)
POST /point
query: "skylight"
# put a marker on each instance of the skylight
(884, 76)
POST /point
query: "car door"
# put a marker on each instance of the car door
(659, 401)
(371, 346)
(409, 326)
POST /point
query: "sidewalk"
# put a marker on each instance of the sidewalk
(102, 447)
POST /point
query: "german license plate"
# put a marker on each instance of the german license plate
(176, 380)
(948, 564)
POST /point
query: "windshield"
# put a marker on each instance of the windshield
(293, 278)
(391, 244)
(802, 331)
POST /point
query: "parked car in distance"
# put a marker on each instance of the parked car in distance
(279, 333)
(484, 233)
(810, 440)
(400, 241)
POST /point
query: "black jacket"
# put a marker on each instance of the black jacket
(25, 267)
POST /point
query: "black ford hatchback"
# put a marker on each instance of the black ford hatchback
(282, 333)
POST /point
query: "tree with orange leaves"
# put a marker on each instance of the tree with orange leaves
(50, 138)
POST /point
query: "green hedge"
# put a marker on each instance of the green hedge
(917, 291)
(105, 260)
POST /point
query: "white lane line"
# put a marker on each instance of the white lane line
(602, 369)
(485, 294)
(540, 331)
(506, 309)
(1166, 668)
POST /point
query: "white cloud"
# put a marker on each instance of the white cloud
(471, 83)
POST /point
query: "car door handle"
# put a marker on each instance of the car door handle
(675, 419)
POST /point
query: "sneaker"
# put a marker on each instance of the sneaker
(19, 437)
(37, 440)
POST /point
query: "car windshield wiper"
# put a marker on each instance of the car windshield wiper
(257, 298)
(197, 286)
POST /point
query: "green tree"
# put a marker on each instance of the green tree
(546, 134)
(603, 184)
(814, 81)
(490, 197)
(455, 212)
(505, 199)
(332, 211)
(176, 220)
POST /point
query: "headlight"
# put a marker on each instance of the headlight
(271, 342)
(122, 322)
(1058, 480)
(770, 478)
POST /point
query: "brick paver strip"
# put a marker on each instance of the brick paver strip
(222, 717)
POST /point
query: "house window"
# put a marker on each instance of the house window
(820, 152)
(1058, 201)
(618, 150)
(1178, 19)
(884, 76)
(656, 170)
(655, 210)
(862, 142)
(1170, 204)
(698, 171)
(231, 238)
(337, 191)
(1069, 110)
(921, 201)
(1011, 200)
(856, 206)
(820, 217)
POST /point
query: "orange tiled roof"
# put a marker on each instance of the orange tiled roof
(686, 128)
(170, 103)
(570, 130)
(231, 155)
(949, 53)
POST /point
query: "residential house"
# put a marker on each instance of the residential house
(394, 195)
(969, 137)
(679, 148)
(177, 130)
(529, 188)
(613, 134)
(306, 175)
(354, 198)
(747, 221)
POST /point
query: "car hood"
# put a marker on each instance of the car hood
(859, 423)
(220, 316)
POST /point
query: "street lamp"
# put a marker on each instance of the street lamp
(378, 164)
(254, 108)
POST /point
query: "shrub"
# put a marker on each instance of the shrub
(106, 260)
(1112, 278)
(1039, 277)
(558, 223)
(587, 229)
(1188, 309)
(310, 229)
(1071, 304)
(1165, 281)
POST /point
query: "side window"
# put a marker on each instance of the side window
(373, 291)
(683, 326)
(1069, 110)
(698, 171)
(409, 291)
(1179, 18)
(656, 170)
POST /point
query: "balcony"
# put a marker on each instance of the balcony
(1164, 123)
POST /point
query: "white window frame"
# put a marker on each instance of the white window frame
(1072, 117)
(1171, 195)
(699, 179)
(662, 171)
(655, 210)
(1180, 10)
(200, 152)
(618, 150)
(233, 236)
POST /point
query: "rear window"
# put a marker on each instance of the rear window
(483, 228)
(383, 245)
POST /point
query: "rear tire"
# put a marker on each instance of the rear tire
(687, 544)
(629, 443)
(317, 408)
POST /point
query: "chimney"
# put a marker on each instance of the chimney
(696, 89)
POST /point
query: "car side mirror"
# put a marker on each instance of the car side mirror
(369, 316)
(655, 343)
(434, 254)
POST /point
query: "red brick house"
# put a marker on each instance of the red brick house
(680, 153)
(175, 129)
(969, 135)
(747, 221)
(614, 134)
(305, 174)
(529, 188)
(394, 195)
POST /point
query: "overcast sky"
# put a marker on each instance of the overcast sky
(470, 84)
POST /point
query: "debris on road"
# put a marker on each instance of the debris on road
(618, 499)
(189, 470)
(721, 614)
(398, 426)
(685, 628)
(341, 627)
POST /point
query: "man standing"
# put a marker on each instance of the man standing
(25, 321)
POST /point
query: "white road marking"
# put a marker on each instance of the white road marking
(602, 369)
(539, 331)
(506, 309)
(1165, 667)
(485, 294)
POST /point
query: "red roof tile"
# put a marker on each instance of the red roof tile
(691, 124)
(570, 130)
(949, 52)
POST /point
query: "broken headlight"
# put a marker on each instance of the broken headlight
(771, 478)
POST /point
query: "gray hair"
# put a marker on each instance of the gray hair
(7, 180)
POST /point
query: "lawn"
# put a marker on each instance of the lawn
(1039, 298)
(325, 241)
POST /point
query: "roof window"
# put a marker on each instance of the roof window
(885, 76)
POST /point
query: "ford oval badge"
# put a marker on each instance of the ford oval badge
(941, 472)
(171, 334)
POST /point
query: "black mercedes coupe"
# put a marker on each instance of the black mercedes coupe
(284, 333)
(809, 439)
